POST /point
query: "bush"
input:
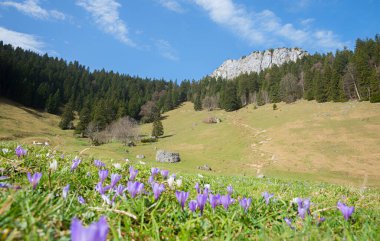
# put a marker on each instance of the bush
(149, 140)
(274, 107)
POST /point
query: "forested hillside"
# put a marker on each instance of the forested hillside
(59, 87)
(340, 76)
(100, 96)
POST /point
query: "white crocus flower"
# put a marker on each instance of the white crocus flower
(179, 182)
(117, 165)
(171, 182)
(53, 165)
(207, 186)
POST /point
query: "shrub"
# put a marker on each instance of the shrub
(149, 140)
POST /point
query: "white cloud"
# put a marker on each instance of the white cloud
(266, 28)
(307, 22)
(22, 40)
(166, 50)
(172, 5)
(106, 15)
(33, 9)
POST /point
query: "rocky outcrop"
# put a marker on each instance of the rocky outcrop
(257, 62)
(165, 156)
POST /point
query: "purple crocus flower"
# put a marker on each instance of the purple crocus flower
(20, 151)
(289, 222)
(120, 190)
(155, 171)
(65, 191)
(214, 200)
(103, 174)
(226, 201)
(267, 197)
(97, 231)
(151, 180)
(114, 179)
(107, 200)
(320, 220)
(346, 210)
(164, 173)
(81, 200)
(182, 198)
(197, 188)
(201, 201)
(35, 179)
(157, 190)
(230, 190)
(5, 185)
(9, 186)
(193, 205)
(99, 187)
(99, 164)
(135, 188)
(303, 206)
(75, 164)
(132, 173)
(245, 203)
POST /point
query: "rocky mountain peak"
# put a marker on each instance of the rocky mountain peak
(257, 62)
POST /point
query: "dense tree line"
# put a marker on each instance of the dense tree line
(340, 76)
(98, 97)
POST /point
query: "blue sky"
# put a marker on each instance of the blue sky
(181, 39)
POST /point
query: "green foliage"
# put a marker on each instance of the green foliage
(198, 103)
(274, 106)
(43, 214)
(67, 118)
(44, 82)
(158, 129)
(229, 99)
(84, 120)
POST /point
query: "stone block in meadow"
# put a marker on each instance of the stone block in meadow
(166, 156)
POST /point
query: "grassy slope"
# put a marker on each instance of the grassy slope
(43, 214)
(334, 142)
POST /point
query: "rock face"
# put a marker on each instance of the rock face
(165, 156)
(257, 62)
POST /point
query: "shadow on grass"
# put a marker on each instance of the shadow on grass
(167, 136)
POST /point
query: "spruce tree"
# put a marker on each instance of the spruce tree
(84, 120)
(67, 118)
(230, 101)
(198, 102)
(158, 129)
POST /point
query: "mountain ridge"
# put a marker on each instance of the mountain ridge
(258, 61)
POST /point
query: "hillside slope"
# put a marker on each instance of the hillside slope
(333, 142)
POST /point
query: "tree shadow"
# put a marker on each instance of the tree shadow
(166, 136)
(34, 113)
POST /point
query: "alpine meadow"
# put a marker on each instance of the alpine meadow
(189, 120)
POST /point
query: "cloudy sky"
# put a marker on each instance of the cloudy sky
(181, 39)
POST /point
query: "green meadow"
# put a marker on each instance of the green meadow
(329, 142)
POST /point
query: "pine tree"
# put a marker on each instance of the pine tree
(67, 118)
(84, 120)
(52, 103)
(158, 129)
(230, 101)
(198, 102)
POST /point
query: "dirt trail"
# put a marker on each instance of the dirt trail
(257, 158)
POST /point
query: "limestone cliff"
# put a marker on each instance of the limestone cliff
(257, 62)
